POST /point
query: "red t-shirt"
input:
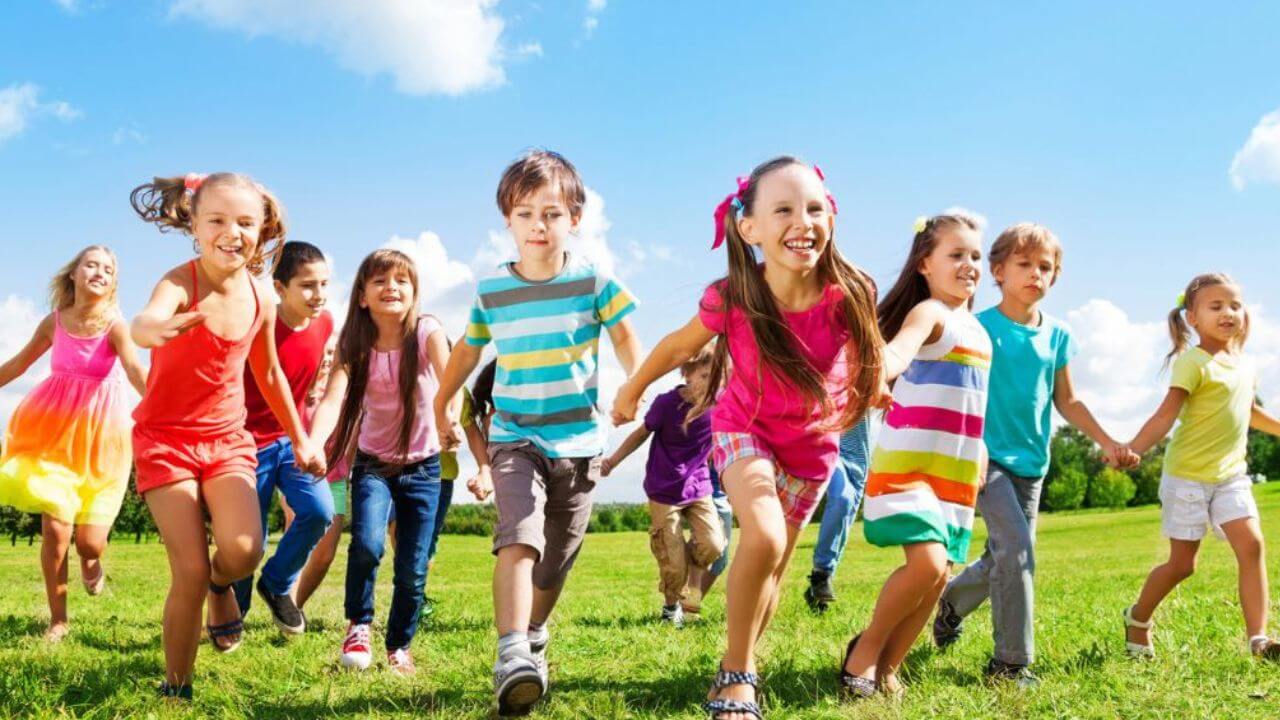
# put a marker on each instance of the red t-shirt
(301, 352)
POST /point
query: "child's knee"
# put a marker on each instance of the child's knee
(1182, 568)
(240, 557)
(765, 545)
(89, 548)
(705, 554)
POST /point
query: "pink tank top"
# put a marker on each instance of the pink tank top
(196, 384)
(92, 358)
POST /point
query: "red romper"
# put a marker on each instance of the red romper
(190, 423)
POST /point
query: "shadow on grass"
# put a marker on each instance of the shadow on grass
(410, 701)
(15, 627)
(622, 622)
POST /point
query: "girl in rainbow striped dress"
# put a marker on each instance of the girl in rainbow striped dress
(929, 457)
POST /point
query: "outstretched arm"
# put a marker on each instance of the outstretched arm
(462, 361)
(922, 326)
(1260, 419)
(122, 343)
(1074, 411)
(1160, 422)
(666, 356)
(265, 366)
(39, 344)
(628, 446)
(159, 322)
(626, 345)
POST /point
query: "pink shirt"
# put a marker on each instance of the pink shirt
(380, 428)
(759, 403)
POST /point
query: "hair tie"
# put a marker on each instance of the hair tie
(830, 198)
(192, 182)
(920, 224)
(731, 201)
(1180, 302)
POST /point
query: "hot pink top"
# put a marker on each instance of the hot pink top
(380, 427)
(757, 402)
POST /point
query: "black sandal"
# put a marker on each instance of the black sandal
(235, 628)
(177, 692)
(720, 707)
(855, 687)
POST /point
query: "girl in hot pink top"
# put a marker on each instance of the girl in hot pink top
(794, 327)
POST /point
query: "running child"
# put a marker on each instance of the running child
(206, 320)
(66, 450)
(1212, 395)
(544, 313)
(929, 459)
(800, 327)
(677, 482)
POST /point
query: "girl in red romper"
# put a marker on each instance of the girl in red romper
(204, 321)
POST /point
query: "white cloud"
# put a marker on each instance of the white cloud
(592, 241)
(527, 50)
(428, 46)
(596, 5)
(19, 317)
(1259, 159)
(128, 134)
(1118, 371)
(70, 6)
(592, 20)
(20, 104)
(437, 274)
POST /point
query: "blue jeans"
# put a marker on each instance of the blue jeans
(721, 501)
(446, 501)
(844, 496)
(412, 492)
(312, 506)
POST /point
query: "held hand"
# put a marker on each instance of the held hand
(309, 459)
(606, 466)
(449, 429)
(625, 406)
(1128, 458)
(481, 486)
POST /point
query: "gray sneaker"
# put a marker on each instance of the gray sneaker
(947, 625)
(518, 685)
(538, 642)
(673, 614)
(1020, 675)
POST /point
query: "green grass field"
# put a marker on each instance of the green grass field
(611, 658)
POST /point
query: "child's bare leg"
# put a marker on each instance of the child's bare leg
(513, 588)
(1160, 582)
(793, 535)
(56, 538)
(318, 564)
(91, 543)
(904, 636)
(902, 596)
(1246, 541)
(232, 501)
(752, 491)
(178, 516)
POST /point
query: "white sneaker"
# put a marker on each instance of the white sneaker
(518, 683)
(674, 615)
(355, 648)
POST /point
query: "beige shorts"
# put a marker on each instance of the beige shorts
(544, 503)
(1189, 507)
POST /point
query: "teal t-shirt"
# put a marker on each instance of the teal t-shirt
(1024, 362)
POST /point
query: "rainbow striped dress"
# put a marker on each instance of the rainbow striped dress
(924, 473)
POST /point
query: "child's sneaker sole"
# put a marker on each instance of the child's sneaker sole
(519, 695)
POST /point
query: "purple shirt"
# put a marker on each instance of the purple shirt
(677, 471)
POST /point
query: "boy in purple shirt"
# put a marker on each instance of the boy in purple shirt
(678, 485)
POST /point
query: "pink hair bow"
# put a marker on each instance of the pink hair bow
(191, 183)
(732, 200)
(830, 198)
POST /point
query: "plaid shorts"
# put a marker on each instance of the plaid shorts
(799, 496)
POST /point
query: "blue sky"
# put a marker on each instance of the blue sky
(1116, 126)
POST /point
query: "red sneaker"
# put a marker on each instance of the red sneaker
(400, 662)
(355, 648)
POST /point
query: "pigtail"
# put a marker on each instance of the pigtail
(165, 203)
(1180, 331)
(1179, 334)
(271, 238)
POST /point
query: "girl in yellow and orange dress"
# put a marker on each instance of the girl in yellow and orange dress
(67, 450)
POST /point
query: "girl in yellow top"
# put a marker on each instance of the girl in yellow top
(1212, 395)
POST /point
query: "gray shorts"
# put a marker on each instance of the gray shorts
(544, 503)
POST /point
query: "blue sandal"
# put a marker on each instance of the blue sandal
(720, 707)
(235, 628)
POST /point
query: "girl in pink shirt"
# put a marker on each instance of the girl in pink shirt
(801, 332)
(379, 397)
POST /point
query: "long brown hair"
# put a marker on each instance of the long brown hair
(1180, 332)
(745, 289)
(356, 344)
(166, 202)
(911, 288)
(62, 288)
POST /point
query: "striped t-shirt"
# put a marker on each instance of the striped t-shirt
(547, 334)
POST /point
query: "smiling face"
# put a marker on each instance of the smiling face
(391, 292)
(954, 267)
(308, 290)
(790, 219)
(227, 224)
(541, 223)
(95, 275)
(1027, 276)
(1217, 313)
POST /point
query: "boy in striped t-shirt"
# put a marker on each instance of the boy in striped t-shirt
(544, 314)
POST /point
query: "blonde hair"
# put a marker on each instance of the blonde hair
(62, 288)
(1025, 237)
(166, 202)
(1180, 332)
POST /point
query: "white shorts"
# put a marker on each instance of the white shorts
(1189, 507)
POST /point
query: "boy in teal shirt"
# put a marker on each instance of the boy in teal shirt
(1030, 374)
